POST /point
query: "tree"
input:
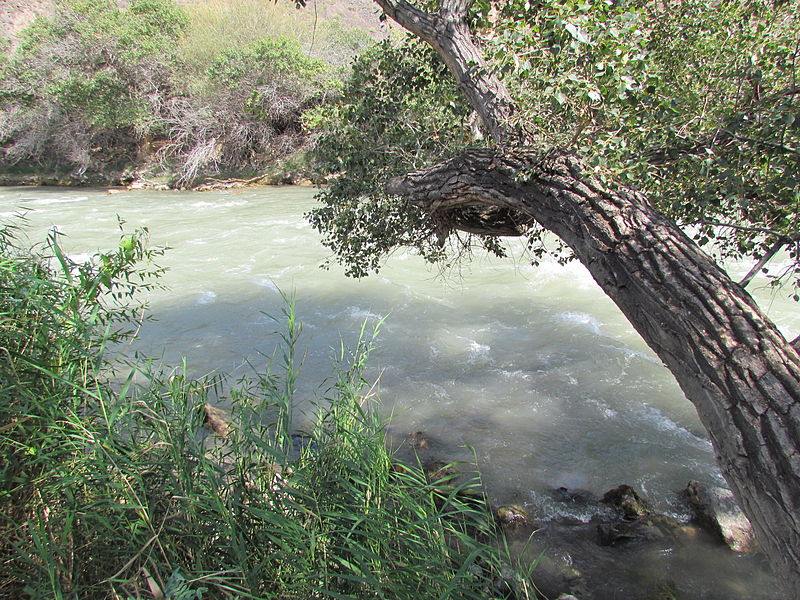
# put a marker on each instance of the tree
(729, 359)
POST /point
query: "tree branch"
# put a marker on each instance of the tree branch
(448, 33)
(492, 221)
(409, 17)
(787, 238)
(455, 8)
(764, 260)
(729, 359)
(743, 138)
(724, 133)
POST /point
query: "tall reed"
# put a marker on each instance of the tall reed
(118, 491)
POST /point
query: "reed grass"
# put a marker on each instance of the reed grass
(116, 490)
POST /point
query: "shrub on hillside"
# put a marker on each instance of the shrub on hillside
(86, 85)
(246, 112)
(96, 89)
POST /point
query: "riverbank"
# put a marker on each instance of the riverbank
(296, 169)
(211, 91)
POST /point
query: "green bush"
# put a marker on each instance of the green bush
(111, 489)
(245, 112)
(85, 85)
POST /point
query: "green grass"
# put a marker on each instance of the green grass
(219, 26)
(116, 490)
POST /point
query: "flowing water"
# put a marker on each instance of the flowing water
(533, 368)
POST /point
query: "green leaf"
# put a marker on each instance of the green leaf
(578, 33)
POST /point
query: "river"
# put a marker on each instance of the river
(533, 368)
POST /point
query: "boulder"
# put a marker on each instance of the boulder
(627, 502)
(512, 516)
(716, 511)
(650, 528)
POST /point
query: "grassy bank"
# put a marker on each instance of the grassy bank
(121, 491)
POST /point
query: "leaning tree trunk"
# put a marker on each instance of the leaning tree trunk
(729, 359)
(731, 362)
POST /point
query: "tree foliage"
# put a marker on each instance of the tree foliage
(397, 112)
(695, 103)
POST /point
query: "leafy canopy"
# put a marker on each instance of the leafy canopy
(694, 103)
(398, 111)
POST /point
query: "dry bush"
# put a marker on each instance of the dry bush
(246, 114)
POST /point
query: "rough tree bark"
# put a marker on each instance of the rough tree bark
(729, 359)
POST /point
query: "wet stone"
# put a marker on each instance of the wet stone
(577, 496)
(716, 512)
(651, 528)
(512, 516)
(438, 471)
(626, 501)
(418, 440)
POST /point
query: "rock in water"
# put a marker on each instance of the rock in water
(216, 421)
(716, 511)
(625, 499)
(512, 516)
(418, 440)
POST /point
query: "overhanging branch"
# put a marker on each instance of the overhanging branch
(774, 249)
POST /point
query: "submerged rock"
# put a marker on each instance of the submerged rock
(663, 590)
(418, 440)
(438, 471)
(512, 516)
(626, 550)
(649, 528)
(716, 511)
(577, 497)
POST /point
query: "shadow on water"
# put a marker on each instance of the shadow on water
(519, 394)
(467, 375)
